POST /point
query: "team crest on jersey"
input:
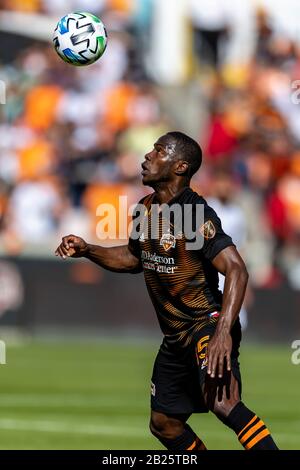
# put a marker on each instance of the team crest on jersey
(208, 230)
(168, 241)
(142, 238)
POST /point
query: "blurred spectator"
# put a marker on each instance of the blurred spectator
(33, 211)
(20, 5)
(57, 7)
(283, 17)
(223, 201)
(210, 20)
(224, 32)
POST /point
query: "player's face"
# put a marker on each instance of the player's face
(158, 164)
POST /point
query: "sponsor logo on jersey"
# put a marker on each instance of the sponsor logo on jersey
(153, 389)
(160, 264)
(147, 255)
(208, 230)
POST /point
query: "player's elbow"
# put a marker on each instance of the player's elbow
(136, 269)
(133, 265)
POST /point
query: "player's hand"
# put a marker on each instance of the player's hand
(72, 246)
(218, 349)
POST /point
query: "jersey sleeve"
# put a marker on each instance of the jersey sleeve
(133, 242)
(134, 247)
(214, 238)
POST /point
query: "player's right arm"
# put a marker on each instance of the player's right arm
(117, 258)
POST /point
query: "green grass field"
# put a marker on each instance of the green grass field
(96, 396)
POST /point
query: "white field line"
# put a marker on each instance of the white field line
(63, 401)
(105, 430)
(72, 428)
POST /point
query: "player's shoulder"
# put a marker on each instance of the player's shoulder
(196, 199)
(192, 197)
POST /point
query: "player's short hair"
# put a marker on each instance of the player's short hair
(189, 149)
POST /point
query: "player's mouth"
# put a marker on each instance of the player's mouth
(145, 169)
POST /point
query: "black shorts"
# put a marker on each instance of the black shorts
(179, 374)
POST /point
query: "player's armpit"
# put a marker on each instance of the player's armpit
(228, 259)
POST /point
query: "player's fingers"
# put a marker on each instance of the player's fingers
(214, 365)
(64, 249)
(73, 245)
(66, 241)
(228, 360)
(209, 360)
(220, 365)
(71, 252)
(60, 252)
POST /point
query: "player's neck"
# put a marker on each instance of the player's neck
(165, 193)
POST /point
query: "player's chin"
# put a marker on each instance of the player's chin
(147, 180)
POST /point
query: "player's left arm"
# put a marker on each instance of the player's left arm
(230, 264)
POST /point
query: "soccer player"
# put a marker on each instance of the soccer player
(196, 368)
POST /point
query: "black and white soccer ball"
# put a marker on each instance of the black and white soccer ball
(80, 38)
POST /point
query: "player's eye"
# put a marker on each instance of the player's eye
(159, 150)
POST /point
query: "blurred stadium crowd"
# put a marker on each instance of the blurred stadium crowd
(72, 138)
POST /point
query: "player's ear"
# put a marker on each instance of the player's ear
(181, 167)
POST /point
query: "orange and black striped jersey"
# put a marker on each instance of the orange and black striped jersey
(182, 282)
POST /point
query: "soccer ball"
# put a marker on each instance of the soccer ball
(80, 38)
